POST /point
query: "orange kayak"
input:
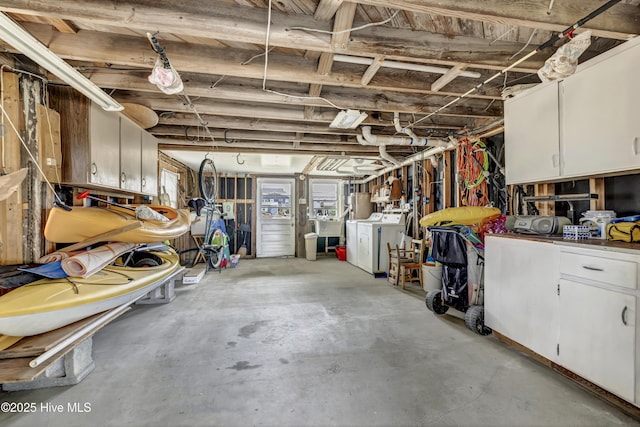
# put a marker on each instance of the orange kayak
(82, 223)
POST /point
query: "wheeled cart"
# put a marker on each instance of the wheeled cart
(462, 276)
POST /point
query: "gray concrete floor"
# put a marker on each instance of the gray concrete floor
(291, 342)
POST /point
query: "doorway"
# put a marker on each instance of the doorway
(275, 218)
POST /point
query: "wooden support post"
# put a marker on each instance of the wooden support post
(545, 208)
(11, 209)
(596, 186)
(448, 181)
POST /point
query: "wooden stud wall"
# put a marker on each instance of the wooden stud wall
(242, 192)
(12, 211)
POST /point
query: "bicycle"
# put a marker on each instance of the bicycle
(214, 242)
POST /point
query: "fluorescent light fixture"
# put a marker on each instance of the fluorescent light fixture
(28, 45)
(349, 119)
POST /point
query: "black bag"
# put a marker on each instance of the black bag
(454, 287)
(448, 246)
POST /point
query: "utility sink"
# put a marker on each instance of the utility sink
(328, 228)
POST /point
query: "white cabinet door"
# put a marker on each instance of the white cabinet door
(597, 336)
(599, 111)
(149, 181)
(521, 298)
(531, 135)
(130, 155)
(105, 147)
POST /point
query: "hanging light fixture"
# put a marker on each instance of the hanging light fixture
(28, 45)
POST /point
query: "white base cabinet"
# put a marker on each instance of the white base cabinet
(597, 336)
(572, 304)
(520, 296)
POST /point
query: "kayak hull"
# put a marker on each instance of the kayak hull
(83, 223)
(48, 304)
(466, 215)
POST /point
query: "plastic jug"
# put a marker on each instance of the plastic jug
(598, 221)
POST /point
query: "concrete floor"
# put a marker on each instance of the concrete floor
(290, 342)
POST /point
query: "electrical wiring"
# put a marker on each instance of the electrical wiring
(267, 50)
(568, 32)
(349, 30)
(473, 164)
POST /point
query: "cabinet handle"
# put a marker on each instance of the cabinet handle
(144, 182)
(592, 268)
(94, 169)
(554, 160)
(624, 315)
(635, 145)
(123, 177)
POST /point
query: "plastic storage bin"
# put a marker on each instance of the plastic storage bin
(311, 245)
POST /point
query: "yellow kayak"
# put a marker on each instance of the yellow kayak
(466, 215)
(49, 304)
(82, 223)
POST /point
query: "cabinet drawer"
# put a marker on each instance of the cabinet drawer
(606, 270)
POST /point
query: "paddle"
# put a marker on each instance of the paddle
(86, 195)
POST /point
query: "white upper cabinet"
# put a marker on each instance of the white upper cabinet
(599, 113)
(585, 125)
(531, 135)
(130, 155)
(104, 149)
(149, 183)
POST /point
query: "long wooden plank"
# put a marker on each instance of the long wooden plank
(49, 144)
(11, 209)
(37, 344)
(102, 237)
(247, 25)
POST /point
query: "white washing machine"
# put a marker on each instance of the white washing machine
(373, 238)
(352, 236)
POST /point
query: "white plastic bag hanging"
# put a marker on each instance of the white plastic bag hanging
(563, 63)
(167, 79)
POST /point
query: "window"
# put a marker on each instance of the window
(169, 188)
(325, 198)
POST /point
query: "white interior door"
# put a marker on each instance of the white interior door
(276, 220)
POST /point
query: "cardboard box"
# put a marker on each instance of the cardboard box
(193, 275)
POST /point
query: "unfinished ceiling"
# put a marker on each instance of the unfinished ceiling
(278, 97)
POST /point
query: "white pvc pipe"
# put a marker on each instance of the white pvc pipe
(406, 131)
(97, 323)
(402, 65)
(78, 334)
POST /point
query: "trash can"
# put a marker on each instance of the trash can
(311, 245)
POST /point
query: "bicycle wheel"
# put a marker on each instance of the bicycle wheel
(208, 180)
(214, 257)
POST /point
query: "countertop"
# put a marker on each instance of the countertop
(600, 244)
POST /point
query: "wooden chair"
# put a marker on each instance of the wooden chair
(415, 257)
(397, 257)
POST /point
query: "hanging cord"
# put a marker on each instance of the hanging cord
(349, 30)
(568, 32)
(157, 48)
(267, 49)
(33, 159)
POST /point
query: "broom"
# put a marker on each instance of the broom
(378, 273)
(243, 249)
